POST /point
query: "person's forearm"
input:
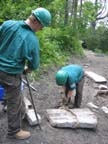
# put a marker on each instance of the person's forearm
(70, 93)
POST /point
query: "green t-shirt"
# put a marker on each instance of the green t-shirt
(18, 45)
(75, 73)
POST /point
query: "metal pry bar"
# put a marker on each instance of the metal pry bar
(29, 85)
(32, 101)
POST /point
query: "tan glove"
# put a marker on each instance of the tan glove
(26, 70)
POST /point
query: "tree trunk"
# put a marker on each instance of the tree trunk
(66, 13)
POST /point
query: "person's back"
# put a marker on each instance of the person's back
(17, 43)
(75, 72)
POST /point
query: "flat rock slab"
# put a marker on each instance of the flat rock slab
(105, 109)
(30, 113)
(72, 118)
(31, 117)
(97, 78)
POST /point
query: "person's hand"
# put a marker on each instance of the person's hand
(26, 71)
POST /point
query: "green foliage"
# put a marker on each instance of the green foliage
(59, 40)
(50, 51)
(89, 12)
(103, 45)
(57, 9)
(62, 37)
(77, 48)
(16, 9)
(97, 39)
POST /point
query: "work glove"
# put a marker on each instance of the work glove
(26, 71)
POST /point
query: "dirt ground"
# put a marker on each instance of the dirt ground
(47, 97)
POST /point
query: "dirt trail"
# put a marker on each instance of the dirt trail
(48, 95)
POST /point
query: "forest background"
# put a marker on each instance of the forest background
(76, 24)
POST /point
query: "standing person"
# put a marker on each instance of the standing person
(71, 77)
(19, 46)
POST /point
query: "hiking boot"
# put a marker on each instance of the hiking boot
(22, 134)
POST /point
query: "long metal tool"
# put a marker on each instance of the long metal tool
(32, 101)
(29, 85)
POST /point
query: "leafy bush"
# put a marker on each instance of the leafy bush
(97, 39)
(50, 50)
(64, 39)
(103, 45)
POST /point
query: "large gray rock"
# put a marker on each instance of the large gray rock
(72, 118)
(97, 78)
(30, 113)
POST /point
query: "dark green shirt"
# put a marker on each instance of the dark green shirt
(75, 74)
(18, 45)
